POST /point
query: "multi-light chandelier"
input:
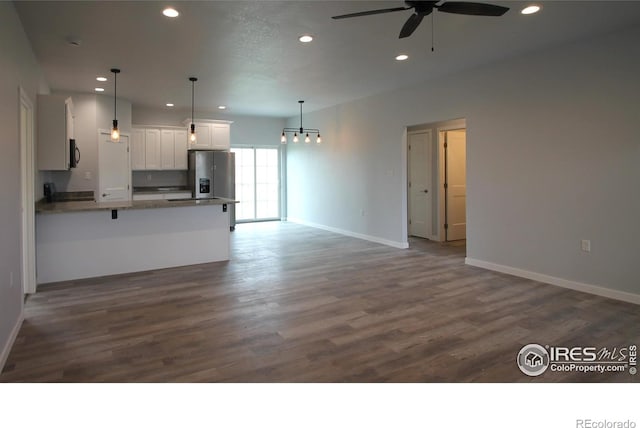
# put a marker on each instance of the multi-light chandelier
(301, 130)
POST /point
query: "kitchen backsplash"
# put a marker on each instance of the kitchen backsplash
(159, 178)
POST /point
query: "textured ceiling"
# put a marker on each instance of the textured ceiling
(246, 54)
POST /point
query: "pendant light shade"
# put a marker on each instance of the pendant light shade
(192, 128)
(306, 131)
(115, 132)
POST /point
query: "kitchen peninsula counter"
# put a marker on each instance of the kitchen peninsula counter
(86, 239)
(65, 207)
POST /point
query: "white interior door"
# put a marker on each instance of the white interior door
(27, 183)
(113, 168)
(420, 182)
(456, 184)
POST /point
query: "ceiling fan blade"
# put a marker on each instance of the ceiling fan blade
(410, 26)
(370, 12)
(471, 8)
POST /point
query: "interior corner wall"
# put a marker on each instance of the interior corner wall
(18, 68)
(553, 158)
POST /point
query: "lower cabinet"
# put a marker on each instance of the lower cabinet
(159, 196)
(158, 149)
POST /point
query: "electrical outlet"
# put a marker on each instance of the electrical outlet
(148, 177)
(585, 244)
(87, 175)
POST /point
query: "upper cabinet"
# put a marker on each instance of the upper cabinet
(138, 158)
(155, 148)
(211, 134)
(55, 130)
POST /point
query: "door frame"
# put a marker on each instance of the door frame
(431, 236)
(438, 186)
(281, 179)
(442, 194)
(27, 193)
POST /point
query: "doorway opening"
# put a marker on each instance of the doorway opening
(436, 182)
(257, 183)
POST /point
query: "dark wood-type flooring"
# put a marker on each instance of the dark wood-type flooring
(298, 304)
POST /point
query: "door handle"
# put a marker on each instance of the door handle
(426, 191)
(105, 194)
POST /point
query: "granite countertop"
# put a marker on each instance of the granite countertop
(75, 206)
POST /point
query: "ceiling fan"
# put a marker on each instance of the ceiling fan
(424, 8)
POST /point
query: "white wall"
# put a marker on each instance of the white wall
(18, 67)
(553, 158)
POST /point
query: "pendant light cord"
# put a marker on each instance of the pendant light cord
(115, 72)
(301, 128)
(433, 23)
(193, 83)
(115, 94)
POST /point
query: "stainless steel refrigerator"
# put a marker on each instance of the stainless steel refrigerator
(212, 174)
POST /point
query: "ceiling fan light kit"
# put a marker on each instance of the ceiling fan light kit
(424, 8)
(301, 130)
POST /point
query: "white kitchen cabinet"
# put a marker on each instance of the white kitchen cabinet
(156, 148)
(55, 129)
(180, 149)
(203, 137)
(167, 149)
(148, 197)
(211, 134)
(138, 157)
(220, 136)
(152, 148)
(159, 196)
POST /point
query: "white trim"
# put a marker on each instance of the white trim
(12, 338)
(395, 244)
(560, 282)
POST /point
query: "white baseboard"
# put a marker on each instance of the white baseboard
(395, 244)
(560, 282)
(6, 349)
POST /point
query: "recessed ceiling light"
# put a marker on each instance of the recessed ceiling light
(222, 107)
(402, 57)
(169, 104)
(306, 38)
(101, 79)
(99, 89)
(170, 12)
(534, 8)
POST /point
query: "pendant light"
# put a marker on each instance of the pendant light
(192, 128)
(306, 131)
(115, 132)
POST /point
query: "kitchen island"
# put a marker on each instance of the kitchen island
(88, 239)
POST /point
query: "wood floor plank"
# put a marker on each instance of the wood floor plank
(297, 304)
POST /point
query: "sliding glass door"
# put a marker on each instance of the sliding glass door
(257, 183)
